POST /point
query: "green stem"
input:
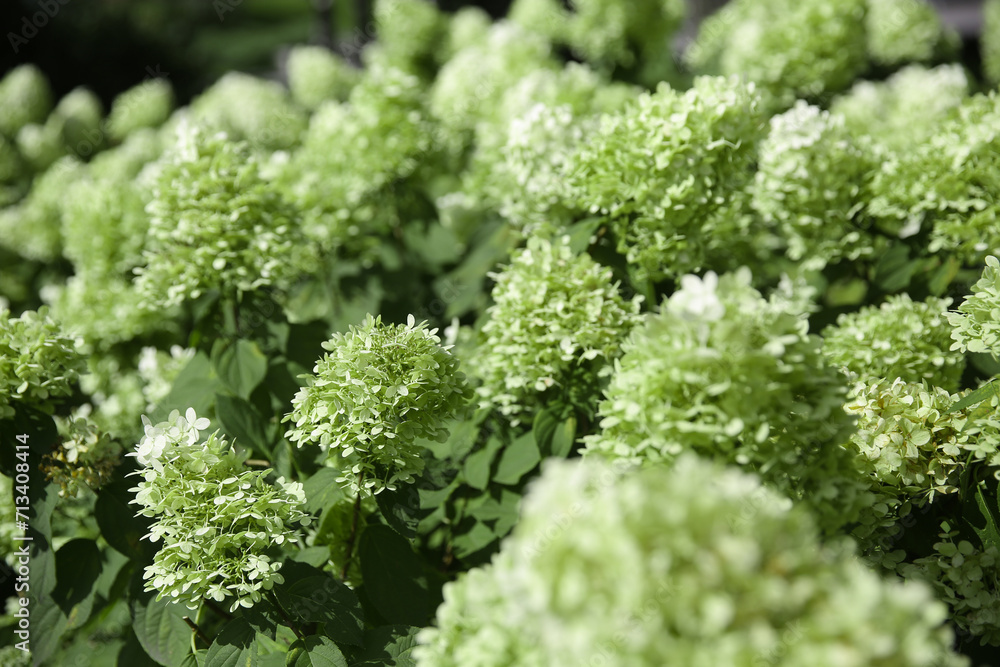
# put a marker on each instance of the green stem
(197, 631)
(352, 536)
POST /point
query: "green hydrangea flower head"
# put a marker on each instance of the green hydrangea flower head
(39, 363)
(967, 578)
(255, 110)
(790, 48)
(989, 41)
(77, 120)
(215, 518)
(556, 324)
(809, 178)
(316, 74)
(905, 109)
(694, 564)
(901, 338)
(977, 322)
(85, 457)
(722, 371)
(33, 227)
(380, 388)
(669, 170)
(148, 104)
(409, 31)
(215, 223)
(909, 439)
(26, 96)
(904, 31)
(466, 27)
(604, 32)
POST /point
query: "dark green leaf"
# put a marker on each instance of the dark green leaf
(242, 422)
(322, 490)
(517, 459)
(240, 365)
(985, 363)
(394, 578)
(78, 566)
(974, 398)
(312, 596)
(315, 651)
(564, 438)
(132, 655)
(895, 269)
(477, 466)
(160, 628)
(48, 623)
(194, 387)
(580, 234)
(235, 646)
(942, 276)
(401, 509)
(116, 518)
(986, 525)
(387, 645)
(846, 292)
(543, 428)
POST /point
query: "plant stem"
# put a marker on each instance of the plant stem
(284, 616)
(197, 630)
(352, 536)
(260, 463)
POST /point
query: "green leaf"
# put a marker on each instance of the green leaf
(322, 490)
(477, 465)
(517, 459)
(315, 651)
(401, 509)
(241, 422)
(194, 387)
(240, 365)
(581, 233)
(564, 438)
(988, 519)
(395, 581)
(974, 398)
(78, 566)
(132, 655)
(388, 645)
(116, 518)
(895, 269)
(984, 363)
(235, 646)
(160, 628)
(48, 624)
(846, 292)
(543, 428)
(942, 276)
(312, 596)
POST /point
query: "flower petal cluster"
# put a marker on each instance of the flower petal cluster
(254, 110)
(556, 324)
(809, 178)
(148, 104)
(907, 31)
(215, 519)
(380, 388)
(84, 458)
(316, 74)
(669, 171)
(910, 440)
(409, 33)
(905, 109)
(39, 363)
(695, 564)
(901, 338)
(790, 48)
(26, 98)
(977, 322)
(215, 223)
(33, 227)
(722, 371)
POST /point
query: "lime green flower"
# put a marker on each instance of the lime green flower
(695, 564)
(26, 98)
(215, 518)
(146, 105)
(977, 322)
(379, 390)
(316, 74)
(903, 31)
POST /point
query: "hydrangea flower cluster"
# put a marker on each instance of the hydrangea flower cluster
(905, 109)
(902, 338)
(353, 153)
(85, 458)
(669, 171)
(695, 564)
(554, 328)
(967, 579)
(148, 104)
(791, 48)
(38, 362)
(809, 176)
(722, 371)
(32, 227)
(215, 223)
(251, 109)
(604, 32)
(316, 74)
(27, 99)
(909, 440)
(215, 518)
(379, 390)
(409, 33)
(942, 185)
(977, 322)
(904, 31)
(73, 127)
